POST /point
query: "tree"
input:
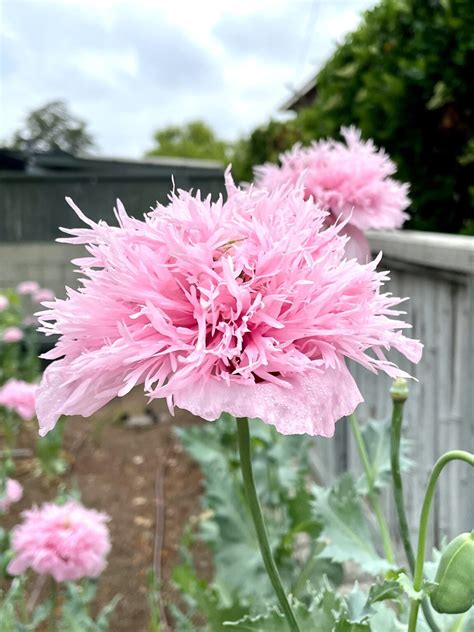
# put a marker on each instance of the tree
(193, 140)
(53, 127)
(404, 77)
(264, 144)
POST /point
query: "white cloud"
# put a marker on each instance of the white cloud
(129, 68)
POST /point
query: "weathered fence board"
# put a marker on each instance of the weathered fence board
(33, 206)
(437, 273)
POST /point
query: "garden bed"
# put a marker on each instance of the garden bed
(145, 482)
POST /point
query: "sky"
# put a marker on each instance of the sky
(128, 68)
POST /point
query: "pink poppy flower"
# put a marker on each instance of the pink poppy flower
(12, 494)
(19, 396)
(42, 295)
(352, 180)
(67, 542)
(4, 303)
(247, 306)
(27, 287)
(12, 334)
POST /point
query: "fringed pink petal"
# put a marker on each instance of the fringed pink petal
(311, 405)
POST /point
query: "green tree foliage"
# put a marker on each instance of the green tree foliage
(53, 127)
(193, 140)
(264, 144)
(404, 77)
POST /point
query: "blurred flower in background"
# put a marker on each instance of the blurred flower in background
(12, 493)
(67, 542)
(19, 396)
(12, 334)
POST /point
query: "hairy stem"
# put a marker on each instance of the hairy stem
(257, 516)
(453, 455)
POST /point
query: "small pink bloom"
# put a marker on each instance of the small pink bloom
(42, 295)
(12, 334)
(247, 306)
(19, 396)
(351, 179)
(27, 287)
(67, 542)
(4, 303)
(12, 494)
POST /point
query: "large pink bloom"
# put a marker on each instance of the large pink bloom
(12, 493)
(352, 180)
(20, 397)
(67, 542)
(246, 306)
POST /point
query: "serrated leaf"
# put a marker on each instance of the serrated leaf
(383, 590)
(356, 605)
(204, 598)
(321, 614)
(384, 619)
(348, 626)
(406, 584)
(345, 532)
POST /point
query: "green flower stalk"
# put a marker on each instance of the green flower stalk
(373, 495)
(257, 516)
(453, 455)
(399, 393)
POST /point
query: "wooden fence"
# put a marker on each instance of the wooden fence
(437, 273)
(32, 206)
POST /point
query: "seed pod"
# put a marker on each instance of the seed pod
(454, 593)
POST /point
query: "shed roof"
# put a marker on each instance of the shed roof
(301, 97)
(47, 163)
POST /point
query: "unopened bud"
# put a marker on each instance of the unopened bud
(454, 593)
(399, 390)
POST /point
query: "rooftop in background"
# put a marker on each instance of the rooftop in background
(56, 162)
(301, 98)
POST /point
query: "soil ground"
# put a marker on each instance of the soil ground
(147, 485)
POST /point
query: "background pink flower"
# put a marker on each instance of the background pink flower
(4, 303)
(42, 295)
(351, 179)
(20, 397)
(12, 334)
(246, 306)
(12, 494)
(67, 542)
(27, 287)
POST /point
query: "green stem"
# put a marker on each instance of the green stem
(306, 573)
(458, 455)
(373, 495)
(52, 627)
(395, 438)
(399, 393)
(257, 516)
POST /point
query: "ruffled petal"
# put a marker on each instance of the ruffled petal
(63, 392)
(312, 404)
(358, 245)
